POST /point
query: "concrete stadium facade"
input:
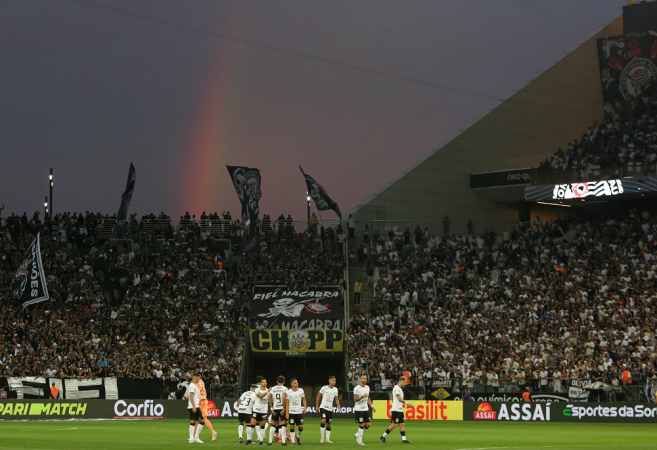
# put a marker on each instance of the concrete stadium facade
(549, 112)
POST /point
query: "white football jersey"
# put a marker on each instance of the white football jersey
(361, 405)
(295, 399)
(246, 402)
(192, 389)
(261, 405)
(328, 395)
(396, 404)
(277, 395)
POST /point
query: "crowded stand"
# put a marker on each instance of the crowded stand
(561, 301)
(538, 306)
(626, 138)
(187, 311)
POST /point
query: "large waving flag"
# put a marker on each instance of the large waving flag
(247, 185)
(319, 194)
(126, 198)
(29, 284)
(114, 282)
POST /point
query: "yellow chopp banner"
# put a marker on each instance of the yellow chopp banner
(296, 340)
(422, 410)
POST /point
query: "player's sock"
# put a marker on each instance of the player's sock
(360, 432)
(257, 431)
(198, 430)
(403, 433)
(240, 429)
(283, 436)
(328, 434)
(272, 431)
(386, 433)
(292, 436)
(323, 430)
(249, 432)
(191, 431)
(300, 430)
(262, 433)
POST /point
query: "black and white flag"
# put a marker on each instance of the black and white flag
(319, 194)
(114, 282)
(126, 198)
(29, 284)
(247, 184)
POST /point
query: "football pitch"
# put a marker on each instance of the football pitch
(173, 434)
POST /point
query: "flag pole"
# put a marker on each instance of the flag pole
(308, 204)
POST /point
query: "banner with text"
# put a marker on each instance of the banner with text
(315, 308)
(69, 389)
(29, 284)
(297, 341)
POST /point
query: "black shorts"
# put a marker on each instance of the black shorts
(296, 419)
(259, 417)
(276, 415)
(326, 414)
(362, 416)
(198, 415)
(396, 416)
(244, 417)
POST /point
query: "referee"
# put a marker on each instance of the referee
(397, 416)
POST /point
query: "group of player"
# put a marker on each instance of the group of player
(286, 405)
(289, 406)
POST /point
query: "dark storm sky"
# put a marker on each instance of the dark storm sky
(87, 90)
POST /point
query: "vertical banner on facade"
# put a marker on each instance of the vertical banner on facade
(627, 66)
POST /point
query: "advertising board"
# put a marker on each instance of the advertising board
(421, 410)
(561, 412)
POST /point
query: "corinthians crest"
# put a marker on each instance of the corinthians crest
(627, 66)
(299, 340)
(636, 77)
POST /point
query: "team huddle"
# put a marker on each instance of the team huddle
(288, 406)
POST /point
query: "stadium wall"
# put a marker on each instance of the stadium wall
(549, 112)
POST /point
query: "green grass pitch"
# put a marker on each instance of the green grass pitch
(173, 434)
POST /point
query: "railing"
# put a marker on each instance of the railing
(628, 393)
(171, 228)
(436, 227)
(575, 176)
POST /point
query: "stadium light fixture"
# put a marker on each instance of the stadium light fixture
(308, 207)
(51, 185)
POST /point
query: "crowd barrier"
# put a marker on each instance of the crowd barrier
(92, 409)
(129, 409)
(433, 410)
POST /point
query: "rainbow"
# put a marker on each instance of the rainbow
(207, 149)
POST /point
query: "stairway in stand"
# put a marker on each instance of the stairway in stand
(357, 271)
